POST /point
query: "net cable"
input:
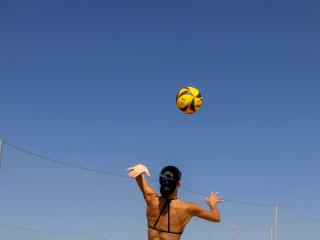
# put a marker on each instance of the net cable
(125, 176)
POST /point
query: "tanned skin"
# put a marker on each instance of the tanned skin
(180, 212)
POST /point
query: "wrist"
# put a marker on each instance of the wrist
(214, 205)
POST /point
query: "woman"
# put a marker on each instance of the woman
(167, 215)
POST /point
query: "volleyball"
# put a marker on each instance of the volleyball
(189, 100)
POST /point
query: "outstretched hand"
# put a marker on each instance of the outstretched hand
(213, 200)
(137, 170)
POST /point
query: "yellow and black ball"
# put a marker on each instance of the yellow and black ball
(189, 100)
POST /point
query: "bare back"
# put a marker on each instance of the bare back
(179, 218)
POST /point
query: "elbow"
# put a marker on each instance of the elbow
(216, 219)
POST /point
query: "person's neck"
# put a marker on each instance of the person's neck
(172, 196)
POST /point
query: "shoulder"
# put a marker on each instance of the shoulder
(153, 200)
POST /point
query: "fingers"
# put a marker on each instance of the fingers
(133, 167)
(214, 195)
(138, 169)
(132, 173)
(136, 174)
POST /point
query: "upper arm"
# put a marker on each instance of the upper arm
(147, 191)
(197, 211)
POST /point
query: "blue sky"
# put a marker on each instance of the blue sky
(94, 82)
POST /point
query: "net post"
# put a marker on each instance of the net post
(276, 221)
(1, 144)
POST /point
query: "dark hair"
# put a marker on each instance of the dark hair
(169, 178)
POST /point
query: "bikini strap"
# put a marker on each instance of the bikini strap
(169, 216)
(167, 204)
(162, 210)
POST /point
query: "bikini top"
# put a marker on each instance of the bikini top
(166, 205)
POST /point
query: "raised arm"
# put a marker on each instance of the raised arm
(137, 172)
(213, 215)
